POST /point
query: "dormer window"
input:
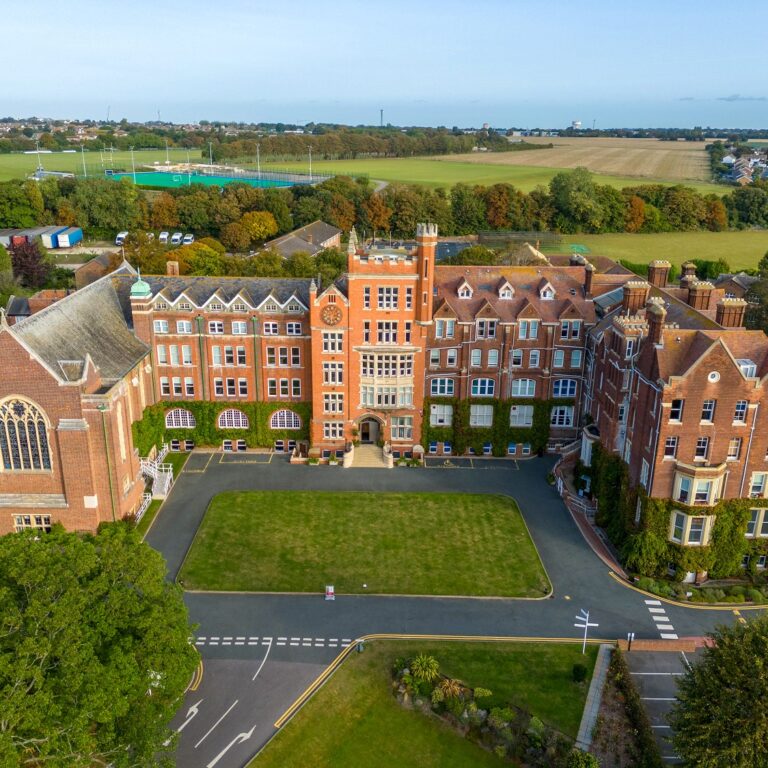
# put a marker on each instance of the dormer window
(185, 306)
(215, 307)
(294, 307)
(506, 291)
(747, 367)
(547, 293)
(161, 305)
(239, 308)
(465, 290)
(270, 307)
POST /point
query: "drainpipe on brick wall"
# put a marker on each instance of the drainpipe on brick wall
(203, 362)
(657, 405)
(256, 363)
(749, 450)
(103, 409)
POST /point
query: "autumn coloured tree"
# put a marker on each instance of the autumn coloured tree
(31, 266)
(260, 225)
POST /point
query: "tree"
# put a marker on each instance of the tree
(376, 213)
(635, 214)
(94, 649)
(198, 259)
(6, 267)
(235, 237)
(718, 721)
(425, 668)
(165, 214)
(30, 265)
(260, 225)
(579, 759)
(762, 265)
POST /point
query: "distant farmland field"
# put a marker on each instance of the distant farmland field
(647, 158)
(19, 166)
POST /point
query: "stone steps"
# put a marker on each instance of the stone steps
(369, 457)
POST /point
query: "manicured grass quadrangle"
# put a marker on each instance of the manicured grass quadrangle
(355, 721)
(395, 543)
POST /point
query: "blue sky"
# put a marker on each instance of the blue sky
(518, 62)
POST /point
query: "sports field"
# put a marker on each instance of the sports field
(685, 161)
(372, 543)
(18, 166)
(742, 250)
(485, 170)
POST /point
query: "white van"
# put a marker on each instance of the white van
(176, 238)
(163, 237)
(120, 239)
(188, 239)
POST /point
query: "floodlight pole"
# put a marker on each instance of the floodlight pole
(189, 171)
(258, 160)
(82, 153)
(167, 159)
(210, 153)
(39, 162)
(133, 166)
(310, 162)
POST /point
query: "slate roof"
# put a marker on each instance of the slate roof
(254, 290)
(741, 279)
(307, 239)
(18, 306)
(87, 324)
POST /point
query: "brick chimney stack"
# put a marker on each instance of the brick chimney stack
(589, 271)
(658, 273)
(655, 314)
(688, 270)
(700, 295)
(635, 296)
(730, 313)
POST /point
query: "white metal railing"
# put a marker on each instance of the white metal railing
(146, 500)
(162, 453)
(161, 476)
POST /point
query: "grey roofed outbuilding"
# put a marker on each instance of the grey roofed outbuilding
(306, 239)
(740, 278)
(86, 324)
(199, 290)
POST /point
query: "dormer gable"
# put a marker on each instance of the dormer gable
(294, 304)
(569, 312)
(546, 290)
(183, 303)
(215, 303)
(528, 311)
(505, 291)
(464, 290)
(487, 311)
(445, 311)
(270, 304)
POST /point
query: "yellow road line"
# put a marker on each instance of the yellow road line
(680, 604)
(331, 668)
(197, 677)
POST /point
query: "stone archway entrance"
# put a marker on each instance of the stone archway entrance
(370, 430)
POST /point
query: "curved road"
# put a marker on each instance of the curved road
(261, 651)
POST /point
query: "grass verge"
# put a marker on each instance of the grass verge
(742, 250)
(354, 720)
(395, 543)
(148, 517)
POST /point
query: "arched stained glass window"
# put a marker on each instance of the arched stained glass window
(23, 436)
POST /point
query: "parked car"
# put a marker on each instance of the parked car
(188, 239)
(120, 239)
(176, 238)
(163, 237)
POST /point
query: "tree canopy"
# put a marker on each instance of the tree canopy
(94, 650)
(720, 719)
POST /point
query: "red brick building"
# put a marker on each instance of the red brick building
(396, 340)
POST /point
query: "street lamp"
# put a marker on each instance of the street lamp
(585, 624)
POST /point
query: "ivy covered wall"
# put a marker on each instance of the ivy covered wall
(462, 436)
(151, 429)
(645, 547)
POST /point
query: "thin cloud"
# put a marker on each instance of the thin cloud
(686, 98)
(739, 97)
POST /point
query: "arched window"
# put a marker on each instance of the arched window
(180, 418)
(233, 419)
(285, 419)
(23, 436)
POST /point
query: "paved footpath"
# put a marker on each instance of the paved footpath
(261, 651)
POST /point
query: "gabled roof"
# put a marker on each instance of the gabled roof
(86, 324)
(306, 239)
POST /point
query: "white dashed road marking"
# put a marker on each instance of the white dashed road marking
(303, 642)
(659, 615)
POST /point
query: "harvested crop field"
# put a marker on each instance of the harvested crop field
(644, 158)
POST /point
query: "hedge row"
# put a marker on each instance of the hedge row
(462, 436)
(151, 429)
(645, 547)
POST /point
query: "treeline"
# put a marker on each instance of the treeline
(332, 144)
(572, 203)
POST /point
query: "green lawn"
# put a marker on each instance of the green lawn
(443, 172)
(18, 166)
(355, 721)
(396, 543)
(149, 516)
(742, 250)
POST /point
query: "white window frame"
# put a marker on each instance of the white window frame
(480, 415)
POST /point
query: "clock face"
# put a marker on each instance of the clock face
(331, 315)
